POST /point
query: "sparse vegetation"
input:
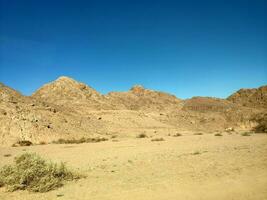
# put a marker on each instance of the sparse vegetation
(79, 141)
(246, 134)
(141, 135)
(7, 155)
(177, 135)
(31, 172)
(22, 143)
(157, 139)
(196, 153)
(198, 133)
(218, 134)
(42, 143)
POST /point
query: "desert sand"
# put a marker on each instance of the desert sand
(191, 166)
(199, 167)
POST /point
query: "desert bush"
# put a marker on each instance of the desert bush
(141, 135)
(196, 153)
(31, 172)
(22, 143)
(79, 141)
(177, 135)
(157, 139)
(198, 133)
(246, 134)
(42, 143)
(218, 134)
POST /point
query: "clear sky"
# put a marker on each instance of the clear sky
(187, 48)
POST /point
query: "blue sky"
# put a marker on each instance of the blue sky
(187, 48)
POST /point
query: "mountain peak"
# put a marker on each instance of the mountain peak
(66, 88)
(137, 89)
(65, 78)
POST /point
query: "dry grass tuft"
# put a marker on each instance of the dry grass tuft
(157, 139)
(196, 153)
(177, 135)
(141, 135)
(246, 134)
(79, 141)
(31, 172)
(42, 143)
(22, 143)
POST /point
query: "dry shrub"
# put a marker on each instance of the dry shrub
(157, 139)
(79, 141)
(31, 172)
(198, 133)
(177, 135)
(218, 134)
(196, 153)
(22, 143)
(246, 134)
(141, 135)
(42, 143)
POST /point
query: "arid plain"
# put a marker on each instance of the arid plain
(155, 146)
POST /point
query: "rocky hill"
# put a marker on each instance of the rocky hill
(256, 98)
(66, 108)
(8, 94)
(139, 98)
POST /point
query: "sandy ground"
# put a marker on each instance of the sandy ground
(201, 167)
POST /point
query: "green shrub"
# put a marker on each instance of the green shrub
(31, 172)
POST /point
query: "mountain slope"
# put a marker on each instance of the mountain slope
(65, 88)
(256, 97)
(139, 98)
(66, 108)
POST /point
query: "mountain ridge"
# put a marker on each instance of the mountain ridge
(66, 108)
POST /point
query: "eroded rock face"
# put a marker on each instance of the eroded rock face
(256, 98)
(206, 104)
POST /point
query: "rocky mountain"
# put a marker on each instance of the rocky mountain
(66, 108)
(139, 98)
(256, 98)
(8, 94)
(68, 92)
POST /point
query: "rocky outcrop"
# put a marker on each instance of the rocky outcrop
(256, 98)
